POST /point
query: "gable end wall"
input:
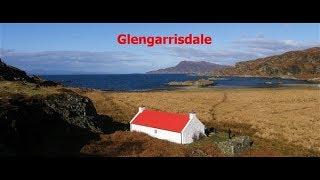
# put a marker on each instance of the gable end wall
(195, 127)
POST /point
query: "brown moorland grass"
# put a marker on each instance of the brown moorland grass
(8, 88)
(282, 121)
(134, 144)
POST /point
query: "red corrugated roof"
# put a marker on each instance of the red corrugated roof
(162, 120)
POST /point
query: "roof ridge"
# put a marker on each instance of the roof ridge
(166, 112)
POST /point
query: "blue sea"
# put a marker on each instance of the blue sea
(144, 82)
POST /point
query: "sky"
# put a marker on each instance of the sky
(72, 48)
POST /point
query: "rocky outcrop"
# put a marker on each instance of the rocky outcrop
(10, 73)
(48, 83)
(302, 64)
(46, 121)
(315, 80)
(59, 124)
(198, 83)
(41, 82)
(235, 145)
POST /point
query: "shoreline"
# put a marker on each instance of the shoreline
(261, 113)
(164, 88)
(172, 89)
(267, 77)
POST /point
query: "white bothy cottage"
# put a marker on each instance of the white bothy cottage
(178, 128)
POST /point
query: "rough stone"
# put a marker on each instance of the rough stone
(198, 153)
(10, 73)
(57, 124)
(235, 145)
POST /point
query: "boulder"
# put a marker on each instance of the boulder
(74, 109)
(59, 124)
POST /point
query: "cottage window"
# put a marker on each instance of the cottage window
(155, 131)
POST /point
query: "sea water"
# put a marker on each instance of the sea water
(144, 82)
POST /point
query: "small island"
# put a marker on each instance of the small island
(197, 83)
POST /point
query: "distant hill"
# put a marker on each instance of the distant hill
(302, 64)
(190, 67)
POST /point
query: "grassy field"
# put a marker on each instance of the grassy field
(133, 144)
(282, 121)
(9, 88)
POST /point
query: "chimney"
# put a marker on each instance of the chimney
(192, 115)
(142, 108)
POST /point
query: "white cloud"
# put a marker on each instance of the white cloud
(271, 46)
(79, 61)
(242, 49)
(216, 56)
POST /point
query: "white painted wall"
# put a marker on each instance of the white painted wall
(194, 127)
(157, 133)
